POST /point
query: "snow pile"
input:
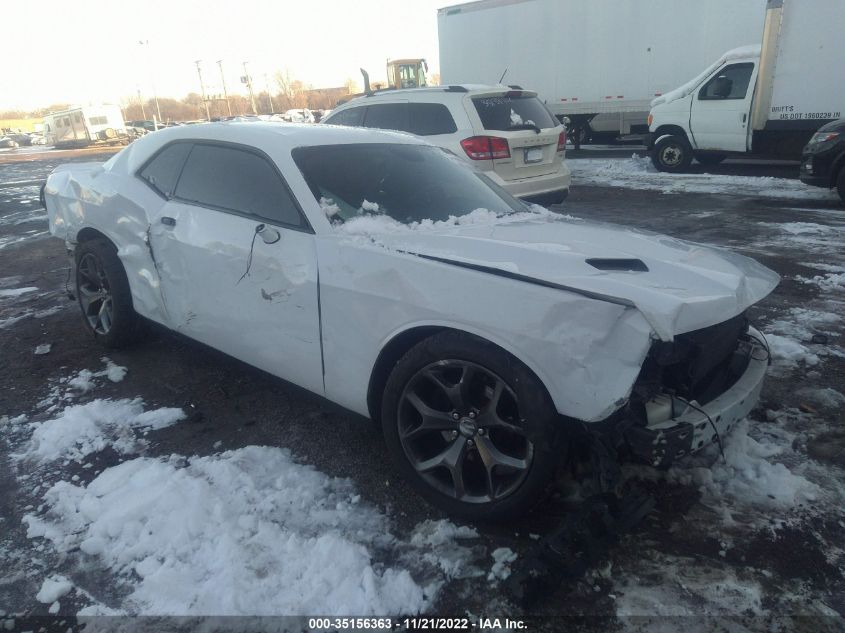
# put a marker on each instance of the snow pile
(787, 352)
(638, 173)
(53, 588)
(804, 237)
(376, 224)
(832, 280)
(244, 532)
(329, 207)
(438, 543)
(749, 477)
(83, 429)
(502, 558)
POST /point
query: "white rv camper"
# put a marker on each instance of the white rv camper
(83, 126)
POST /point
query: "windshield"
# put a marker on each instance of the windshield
(409, 183)
(508, 112)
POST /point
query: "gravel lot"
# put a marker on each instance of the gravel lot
(751, 541)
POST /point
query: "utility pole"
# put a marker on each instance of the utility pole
(141, 101)
(152, 76)
(202, 90)
(248, 81)
(225, 94)
(269, 94)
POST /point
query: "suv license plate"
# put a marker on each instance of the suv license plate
(533, 154)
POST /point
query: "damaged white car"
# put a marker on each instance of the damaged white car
(377, 271)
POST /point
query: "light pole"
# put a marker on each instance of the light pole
(248, 81)
(152, 76)
(269, 94)
(223, 79)
(202, 91)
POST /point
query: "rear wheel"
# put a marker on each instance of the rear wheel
(672, 154)
(470, 427)
(710, 159)
(102, 290)
(840, 183)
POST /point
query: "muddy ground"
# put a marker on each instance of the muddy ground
(680, 552)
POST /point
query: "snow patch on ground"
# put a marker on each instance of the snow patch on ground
(668, 586)
(502, 558)
(638, 173)
(16, 292)
(53, 588)
(83, 429)
(244, 532)
(441, 545)
(750, 475)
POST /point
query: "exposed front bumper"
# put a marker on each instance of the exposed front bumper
(691, 430)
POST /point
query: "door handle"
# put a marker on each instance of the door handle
(166, 221)
(744, 117)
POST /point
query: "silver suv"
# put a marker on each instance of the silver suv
(505, 132)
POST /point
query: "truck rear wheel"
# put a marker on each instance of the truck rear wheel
(672, 154)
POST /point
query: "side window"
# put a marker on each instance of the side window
(162, 171)
(731, 83)
(427, 119)
(353, 117)
(387, 116)
(239, 181)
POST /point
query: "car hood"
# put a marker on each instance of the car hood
(678, 286)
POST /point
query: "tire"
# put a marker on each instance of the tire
(840, 183)
(103, 294)
(710, 159)
(672, 154)
(505, 454)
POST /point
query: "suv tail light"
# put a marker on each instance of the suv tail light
(486, 147)
(561, 142)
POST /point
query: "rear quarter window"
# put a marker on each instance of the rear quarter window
(429, 119)
(353, 117)
(506, 112)
(162, 172)
(237, 180)
(387, 116)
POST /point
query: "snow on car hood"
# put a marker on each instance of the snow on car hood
(686, 286)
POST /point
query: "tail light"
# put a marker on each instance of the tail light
(486, 147)
(561, 142)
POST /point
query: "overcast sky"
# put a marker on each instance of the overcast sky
(88, 51)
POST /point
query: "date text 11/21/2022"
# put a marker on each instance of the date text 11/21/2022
(416, 624)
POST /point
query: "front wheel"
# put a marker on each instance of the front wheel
(470, 427)
(104, 295)
(672, 154)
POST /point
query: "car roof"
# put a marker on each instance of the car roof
(459, 90)
(268, 136)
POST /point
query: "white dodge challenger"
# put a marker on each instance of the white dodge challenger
(377, 271)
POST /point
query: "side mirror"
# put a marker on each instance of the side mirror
(722, 87)
(268, 234)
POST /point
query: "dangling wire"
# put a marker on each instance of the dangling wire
(258, 229)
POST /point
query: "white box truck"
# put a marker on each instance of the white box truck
(764, 99)
(86, 125)
(598, 62)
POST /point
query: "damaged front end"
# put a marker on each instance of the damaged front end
(693, 390)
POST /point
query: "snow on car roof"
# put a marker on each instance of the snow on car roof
(269, 136)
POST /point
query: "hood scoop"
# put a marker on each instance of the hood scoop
(618, 265)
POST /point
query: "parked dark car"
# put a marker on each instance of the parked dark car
(823, 158)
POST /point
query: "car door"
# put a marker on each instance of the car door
(719, 115)
(237, 261)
